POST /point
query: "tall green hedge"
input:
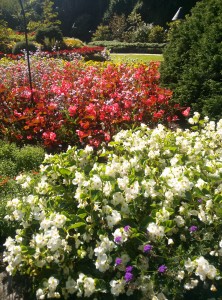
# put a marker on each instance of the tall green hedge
(192, 64)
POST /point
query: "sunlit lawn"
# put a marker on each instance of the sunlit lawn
(135, 57)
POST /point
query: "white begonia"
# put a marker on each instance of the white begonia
(162, 216)
(123, 182)
(132, 192)
(155, 231)
(117, 287)
(96, 183)
(107, 188)
(180, 275)
(40, 294)
(179, 221)
(190, 265)
(117, 199)
(200, 183)
(204, 269)
(58, 220)
(52, 284)
(89, 286)
(191, 285)
(113, 219)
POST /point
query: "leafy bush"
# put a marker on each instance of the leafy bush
(123, 47)
(21, 46)
(102, 33)
(193, 59)
(49, 37)
(157, 34)
(141, 218)
(14, 160)
(72, 43)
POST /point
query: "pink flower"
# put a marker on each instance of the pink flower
(186, 112)
(72, 110)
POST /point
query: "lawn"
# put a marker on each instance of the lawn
(128, 57)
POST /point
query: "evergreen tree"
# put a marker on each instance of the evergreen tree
(192, 64)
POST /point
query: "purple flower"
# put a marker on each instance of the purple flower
(193, 228)
(129, 269)
(162, 269)
(147, 248)
(118, 261)
(118, 239)
(127, 228)
(128, 276)
(200, 200)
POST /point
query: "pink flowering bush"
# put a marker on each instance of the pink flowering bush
(73, 103)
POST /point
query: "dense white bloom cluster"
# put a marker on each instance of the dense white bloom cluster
(122, 221)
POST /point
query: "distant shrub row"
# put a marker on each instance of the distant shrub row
(123, 47)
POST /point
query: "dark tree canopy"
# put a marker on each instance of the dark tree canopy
(193, 59)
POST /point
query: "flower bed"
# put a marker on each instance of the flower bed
(141, 218)
(64, 54)
(73, 103)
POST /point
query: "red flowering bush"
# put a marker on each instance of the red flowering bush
(83, 52)
(77, 103)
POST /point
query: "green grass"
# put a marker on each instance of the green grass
(116, 58)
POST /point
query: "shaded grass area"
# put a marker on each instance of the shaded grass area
(130, 57)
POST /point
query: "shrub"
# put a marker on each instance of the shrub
(72, 43)
(49, 36)
(124, 47)
(156, 34)
(21, 46)
(193, 59)
(102, 33)
(14, 160)
(140, 218)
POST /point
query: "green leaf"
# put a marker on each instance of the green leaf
(76, 225)
(64, 171)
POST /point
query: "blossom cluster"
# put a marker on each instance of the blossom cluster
(77, 103)
(141, 217)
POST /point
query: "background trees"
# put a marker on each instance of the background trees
(80, 18)
(192, 65)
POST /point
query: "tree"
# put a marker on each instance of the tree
(192, 64)
(41, 13)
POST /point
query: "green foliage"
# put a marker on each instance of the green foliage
(157, 34)
(19, 159)
(71, 43)
(20, 46)
(193, 59)
(14, 160)
(118, 26)
(124, 47)
(102, 33)
(49, 36)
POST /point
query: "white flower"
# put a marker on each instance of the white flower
(113, 219)
(117, 287)
(179, 221)
(52, 283)
(89, 286)
(204, 269)
(155, 231)
(40, 294)
(190, 285)
(180, 275)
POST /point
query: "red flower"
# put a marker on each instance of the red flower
(186, 112)
(72, 110)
